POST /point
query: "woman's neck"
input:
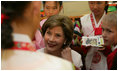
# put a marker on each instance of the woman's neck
(55, 53)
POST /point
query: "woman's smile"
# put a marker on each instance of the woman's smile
(51, 44)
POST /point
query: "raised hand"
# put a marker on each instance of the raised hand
(66, 54)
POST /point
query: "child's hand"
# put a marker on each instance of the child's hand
(84, 45)
(66, 54)
(101, 48)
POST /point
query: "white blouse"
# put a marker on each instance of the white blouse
(76, 57)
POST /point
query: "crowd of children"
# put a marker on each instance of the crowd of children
(55, 42)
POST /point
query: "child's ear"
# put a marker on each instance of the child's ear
(36, 8)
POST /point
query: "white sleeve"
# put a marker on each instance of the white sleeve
(76, 57)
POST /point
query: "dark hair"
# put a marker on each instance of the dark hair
(13, 10)
(106, 7)
(62, 21)
(60, 3)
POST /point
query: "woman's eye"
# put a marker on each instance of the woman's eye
(109, 30)
(58, 35)
(48, 32)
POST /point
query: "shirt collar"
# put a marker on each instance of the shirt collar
(113, 48)
(97, 25)
(21, 38)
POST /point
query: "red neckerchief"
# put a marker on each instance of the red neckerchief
(23, 46)
(98, 31)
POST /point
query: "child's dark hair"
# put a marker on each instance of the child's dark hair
(106, 7)
(13, 10)
(60, 3)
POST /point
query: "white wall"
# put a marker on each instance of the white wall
(75, 8)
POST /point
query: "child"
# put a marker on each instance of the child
(91, 26)
(109, 33)
(50, 8)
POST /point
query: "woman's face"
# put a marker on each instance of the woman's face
(109, 33)
(51, 8)
(97, 7)
(54, 38)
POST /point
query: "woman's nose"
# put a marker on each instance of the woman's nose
(52, 38)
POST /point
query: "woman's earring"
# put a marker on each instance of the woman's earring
(65, 43)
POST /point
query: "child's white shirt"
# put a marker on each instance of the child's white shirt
(87, 29)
